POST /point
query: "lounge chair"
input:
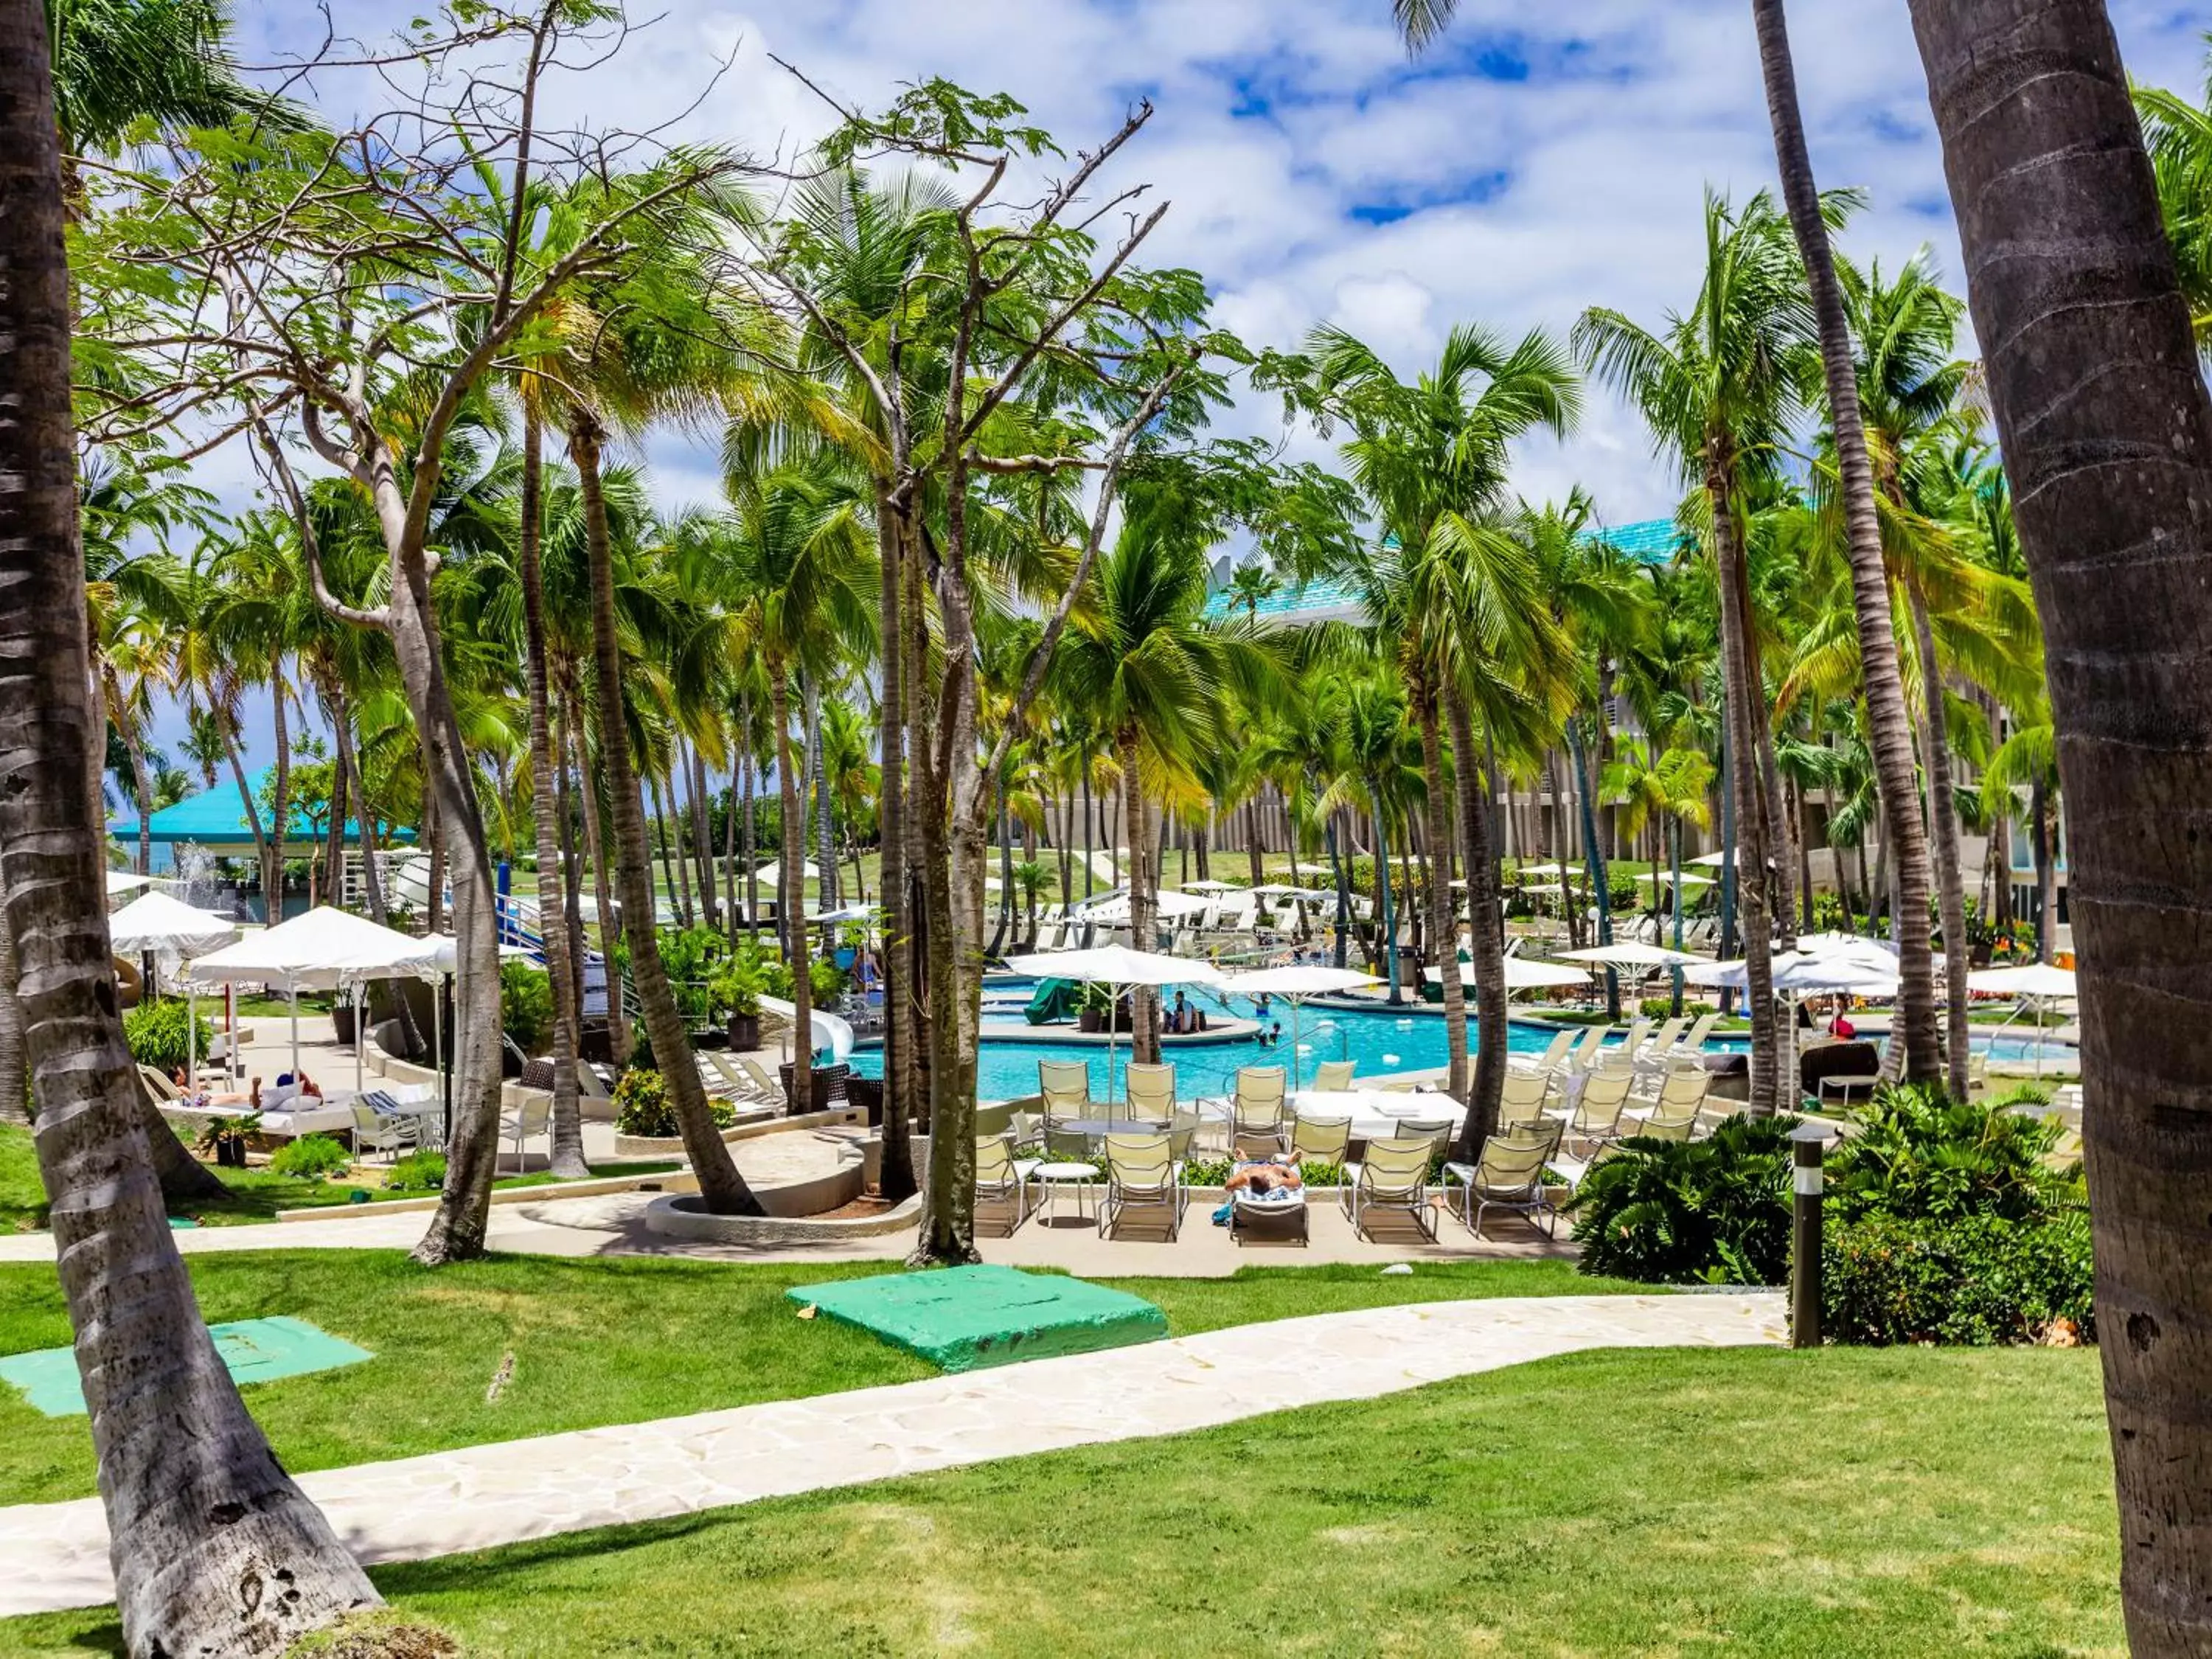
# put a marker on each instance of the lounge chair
(1681, 1097)
(1065, 1086)
(1669, 1034)
(1665, 1122)
(1151, 1091)
(1256, 1108)
(1523, 1098)
(1554, 1058)
(1509, 1176)
(1436, 1131)
(533, 1117)
(1141, 1173)
(1394, 1175)
(1320, 1139)
(375, 1132)
(1333, 1076)
(1597, 1116)
(1282, 1214)
(1693, 1041)
(1585, 1053)
(1002, 1177)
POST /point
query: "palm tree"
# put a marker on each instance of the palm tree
(2106, 425)
(1250, 587)
(797, 563)
(1450, 592)
(1145, 664)
(1888, 721)
(119, 62)
(1717, 388)
(214, 1550)
(2180, 136)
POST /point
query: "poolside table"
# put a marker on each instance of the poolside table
(1375, 1114)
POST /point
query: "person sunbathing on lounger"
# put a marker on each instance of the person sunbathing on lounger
(1274, 1175)
(202, 1099)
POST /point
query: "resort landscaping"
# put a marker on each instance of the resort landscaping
(783, 873)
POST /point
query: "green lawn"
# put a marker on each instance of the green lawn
(1685, 1503)
(255, 1193)
(594, 1342)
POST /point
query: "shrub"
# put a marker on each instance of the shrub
(738, 986)
(417, 1172)
(1212, 1171)
(1689, 1212)
(1920, 1155)
(155, 1032)
(1975, 1280)
(313, 1155)
(826, 980)
(525, 1005)
(643, 1108)
(1620, 891)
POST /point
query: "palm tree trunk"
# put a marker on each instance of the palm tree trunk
(2046, 873)
(1747, 788)
(1889, 728)
(1342, 881)
(333, 885)
(825, 828)
(673, 874)
(1252, 842)
(1594, 857)
(1944, 828)
(1385, 915)
(791, 902)
(721, 1187)
(898, 1181)
(730, 841)
(589, 784)
(750, 853)
(142, 785)
(1486, 927)
(702, 838)
(568, 1134)
(1439, 899)
(1144, 910)
(280, 808)
(204, 1521)
(229, 731)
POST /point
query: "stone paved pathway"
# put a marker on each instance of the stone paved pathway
(55, 1555)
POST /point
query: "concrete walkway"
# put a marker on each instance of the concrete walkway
(56, 1554)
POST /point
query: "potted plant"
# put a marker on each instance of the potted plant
(226, 1138)
(737, 987)
(1094, 1007)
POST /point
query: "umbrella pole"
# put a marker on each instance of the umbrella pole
(191, 1025)
(359, 1080)
(296, 1030)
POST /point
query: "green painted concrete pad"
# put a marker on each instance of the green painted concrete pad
(255, 1350)
(962, 1319)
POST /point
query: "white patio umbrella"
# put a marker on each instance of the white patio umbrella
(169, 927)
(1209, 886)
(2035, 984)
(770, 874)
(1172, 905)
(1118, 968)
(1524, 974)
(1665, 879)
(1294, 984)
(1543, 870)
(120, 882)
(1629, 954)
(1712, 860)
(321, 950)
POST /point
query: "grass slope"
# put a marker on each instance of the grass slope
(594, 1342)
(1839, 1503)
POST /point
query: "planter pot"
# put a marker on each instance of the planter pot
(710, 1039)
(1089, 1019)
(342, 1018)
(745, 1031)
(230, 1153)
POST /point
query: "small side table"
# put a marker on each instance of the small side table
(1084, 1178)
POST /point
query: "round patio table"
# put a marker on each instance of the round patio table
(1098, 1127)
(1084, 1178)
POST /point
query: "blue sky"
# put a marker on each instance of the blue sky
(1537, 160)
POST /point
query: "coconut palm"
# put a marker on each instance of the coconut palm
(1717, 388)
(1144, 662)
(796, 562)
(1451, 591)
(193, 1516)
(1813, 221)
(2180, 136)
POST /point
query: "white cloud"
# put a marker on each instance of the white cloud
(1539, 159)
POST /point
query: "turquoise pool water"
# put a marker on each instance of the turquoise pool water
(1378, 1042)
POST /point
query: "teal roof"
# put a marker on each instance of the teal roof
(1653, 541)
(216, 817)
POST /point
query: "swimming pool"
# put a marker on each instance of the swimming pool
(1377, 1042)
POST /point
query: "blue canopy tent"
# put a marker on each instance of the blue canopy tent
(215, 820)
